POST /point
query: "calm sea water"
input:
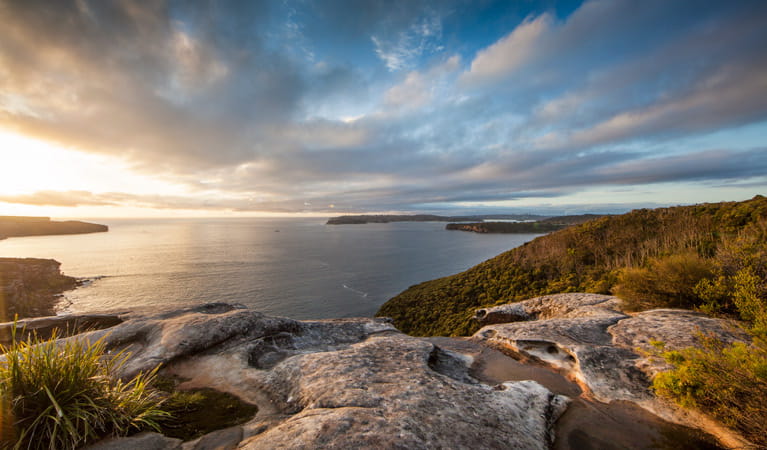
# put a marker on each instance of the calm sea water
(299, 268)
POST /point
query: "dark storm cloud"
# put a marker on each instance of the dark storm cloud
(276, 105)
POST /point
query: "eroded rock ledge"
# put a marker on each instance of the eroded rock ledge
(347, 383)
(609, 353)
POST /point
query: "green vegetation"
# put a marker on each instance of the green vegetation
(63, 395)
(539, 226)
(506, 227)
(196, 412)
(710, 256)
(727, 382)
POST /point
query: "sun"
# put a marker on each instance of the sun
(28, 165)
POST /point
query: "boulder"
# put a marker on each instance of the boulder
(344, 383)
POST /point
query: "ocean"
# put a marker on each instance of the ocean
(299, 268)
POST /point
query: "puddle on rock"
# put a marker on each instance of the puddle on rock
(585, 425)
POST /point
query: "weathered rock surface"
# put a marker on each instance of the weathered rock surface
(45, 327)
(610, 354)
(347, 383)
(30, 287)
(141, 441)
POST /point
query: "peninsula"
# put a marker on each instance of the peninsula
(31, 287)
(18, 226)
(538, 226)
(387, 218)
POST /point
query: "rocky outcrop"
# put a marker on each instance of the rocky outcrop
(612, 355)
(17, 226)
(346, 383)
(30, 287)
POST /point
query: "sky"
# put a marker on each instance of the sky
(221, 108)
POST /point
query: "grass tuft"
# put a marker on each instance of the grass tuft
(63, 395)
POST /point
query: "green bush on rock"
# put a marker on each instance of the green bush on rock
(729, 382)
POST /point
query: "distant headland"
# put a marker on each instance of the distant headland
(18, 226)
(386, 218)
(528, 226)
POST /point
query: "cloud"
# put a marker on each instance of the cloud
(419, 88)
(394, 106)
(511, 52)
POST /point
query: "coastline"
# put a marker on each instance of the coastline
(22, 226)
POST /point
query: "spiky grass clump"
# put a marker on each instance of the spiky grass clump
(62, 395)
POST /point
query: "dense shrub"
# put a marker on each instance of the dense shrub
(63, 395)
(666, 282)
(728, 382)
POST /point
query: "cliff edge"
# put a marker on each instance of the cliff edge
(31, 287)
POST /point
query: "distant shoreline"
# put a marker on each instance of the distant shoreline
(387, 218)
(540, 226)
(23, 226)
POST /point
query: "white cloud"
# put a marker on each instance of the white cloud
(419, 88)
(511, 52)
(727, 96)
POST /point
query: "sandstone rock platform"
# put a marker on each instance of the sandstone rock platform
(345, 383)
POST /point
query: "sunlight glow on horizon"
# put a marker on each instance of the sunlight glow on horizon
(31, 165)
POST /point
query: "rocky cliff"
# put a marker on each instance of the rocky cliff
(30, 287)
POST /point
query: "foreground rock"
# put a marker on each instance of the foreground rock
(31, 287)
(351, 383)
(610, 354)
(60, 326)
